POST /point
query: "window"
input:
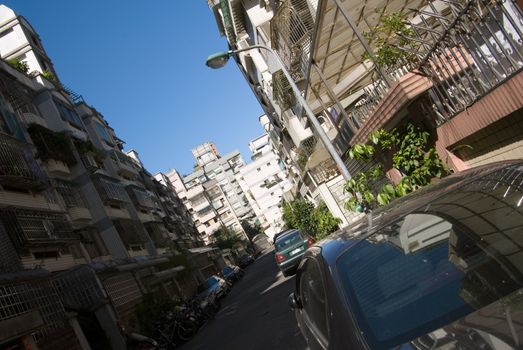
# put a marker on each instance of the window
(312, 294)
(103, 133)
(69, 115)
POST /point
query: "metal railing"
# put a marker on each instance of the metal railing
(32, 294)
(292, 28)
(140, 198)
(26, 226)
(71, 195)
(18, 167)
(480, 47)
(465, 48)
(158, 234)
(130, 231)
(110, 192)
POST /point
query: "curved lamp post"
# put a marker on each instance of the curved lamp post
(218, 60)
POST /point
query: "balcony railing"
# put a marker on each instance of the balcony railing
(292, 28)
(18, 168)
(71, 195)
(30, 301)
(111, 192)
(158, 234)
(466, 49)
(33, 226)
(480, 47)
(140, 198)
(130, 232)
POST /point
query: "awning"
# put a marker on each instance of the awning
(337, 50)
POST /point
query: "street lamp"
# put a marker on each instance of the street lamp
(218, 60)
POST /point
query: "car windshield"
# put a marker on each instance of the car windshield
(288, 240)
(462, 253)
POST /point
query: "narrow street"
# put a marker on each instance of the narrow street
(254, 315)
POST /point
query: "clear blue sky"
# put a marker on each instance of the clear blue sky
(141, 64)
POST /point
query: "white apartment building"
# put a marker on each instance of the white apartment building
(212, 193)
(265, 181)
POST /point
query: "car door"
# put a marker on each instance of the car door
(313, 316)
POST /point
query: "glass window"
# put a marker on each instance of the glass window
(312, 295)
(288, 240)
(103, 133)
(427, 269)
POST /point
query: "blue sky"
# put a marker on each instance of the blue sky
(141, 64)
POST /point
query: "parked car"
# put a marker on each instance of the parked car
(439, 269)
(245, 260)
(289, 248)
(213, 285)
(232, 273)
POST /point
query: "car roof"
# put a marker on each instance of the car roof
(341, 241)
(285, 234)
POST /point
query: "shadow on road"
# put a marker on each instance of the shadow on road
(255, 315)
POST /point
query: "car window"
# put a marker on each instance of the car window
(288, 240)
(312, 295)
(427, 269)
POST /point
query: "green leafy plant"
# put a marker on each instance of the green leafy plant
(19, 65)
(47, 74)
(282, 91)
(226, 238)
(304, 153)
(52, 145)
(388, 36)
(411, 155)
(84, 147)
(317, 222)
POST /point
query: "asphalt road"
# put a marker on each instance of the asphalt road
(255, 315)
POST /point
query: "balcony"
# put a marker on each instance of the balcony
(111, 192)
(126, 166)
(131, 233)
(18, 168)
(158, 234)
(194, 191)
(36, 227)
(140, 198)
(30, 304)
(292, 27)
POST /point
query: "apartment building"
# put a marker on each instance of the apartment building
(456, 74)
(265, 181)
(83, 226)
(212, 193)
(247, 23)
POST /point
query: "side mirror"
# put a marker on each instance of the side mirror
(293, 302)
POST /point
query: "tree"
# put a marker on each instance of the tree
(251, 230)
(314, 221)
(226, 238)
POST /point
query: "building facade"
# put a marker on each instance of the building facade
(455, 73)
(212, 193)
(84, 228)
(265, 181)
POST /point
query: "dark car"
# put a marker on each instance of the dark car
(245, 260)
(232, 273)
(213, 285)
(439, 269)
(289, 248)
